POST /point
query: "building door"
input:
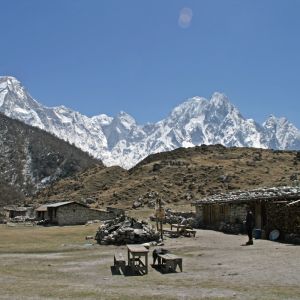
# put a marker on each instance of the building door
(206, 214)
(258, 215)
(50, 214)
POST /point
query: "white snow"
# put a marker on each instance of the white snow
(121, 141)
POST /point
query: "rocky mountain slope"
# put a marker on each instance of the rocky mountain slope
(121, 141)
(31, 158)
(180, 176)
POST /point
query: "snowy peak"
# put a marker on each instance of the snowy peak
(9, 82)
(201, 108)
(125, 120)
(121, 141)
(273, 123)
(14, 93)
(190, 108)
(15, 102)
(122, 129)
(219, 100)
(11, 85)
(102, 119)
(220, 106)
(281, 134)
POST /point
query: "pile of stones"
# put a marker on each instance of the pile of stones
(174, 217)
(125, 230)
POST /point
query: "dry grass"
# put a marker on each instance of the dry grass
(54, 263)
(37, 239)
(183, 176)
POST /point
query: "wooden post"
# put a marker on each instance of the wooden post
(161, 230)
(159, 218)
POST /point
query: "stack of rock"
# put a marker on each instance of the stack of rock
(174, 217)
(125, 230)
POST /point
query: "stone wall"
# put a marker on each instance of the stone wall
(284, 218)
(237, 213)
(75, 214)
(199, 214)
(234, 213)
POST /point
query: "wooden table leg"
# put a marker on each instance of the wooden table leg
(146, 263)
(128, 254)
(180, 264)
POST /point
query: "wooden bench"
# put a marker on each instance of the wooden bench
(169, 262)
(172, 233)
(190, 232)
(119, 260)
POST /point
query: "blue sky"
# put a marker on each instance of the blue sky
(98, 56)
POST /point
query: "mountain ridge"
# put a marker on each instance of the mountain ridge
(180, 176)
(121, 141)
(31, 159)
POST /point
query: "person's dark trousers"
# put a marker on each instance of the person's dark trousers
(249, 232)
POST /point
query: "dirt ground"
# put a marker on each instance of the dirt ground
(215, 266)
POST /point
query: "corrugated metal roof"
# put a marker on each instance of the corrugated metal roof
(57, 204)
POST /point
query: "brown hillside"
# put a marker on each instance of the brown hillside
(180, 176)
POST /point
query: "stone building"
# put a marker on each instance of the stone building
(273, 208)
(14, 211)
(71, 213)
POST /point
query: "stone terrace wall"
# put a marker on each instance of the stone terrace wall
(75, 214)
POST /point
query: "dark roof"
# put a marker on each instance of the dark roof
(266, 194)
(16, 208)
(44, 207)
(297, 202)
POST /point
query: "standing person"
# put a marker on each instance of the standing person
(249, 226)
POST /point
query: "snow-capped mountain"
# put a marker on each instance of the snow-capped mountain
(121, 141)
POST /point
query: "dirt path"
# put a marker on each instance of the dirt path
(215, 266)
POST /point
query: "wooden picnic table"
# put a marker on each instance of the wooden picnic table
(179, 227)
(135, 255)
(169, 262)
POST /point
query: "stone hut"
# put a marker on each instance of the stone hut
(273, 208)
(70, 213)
(14, 211)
